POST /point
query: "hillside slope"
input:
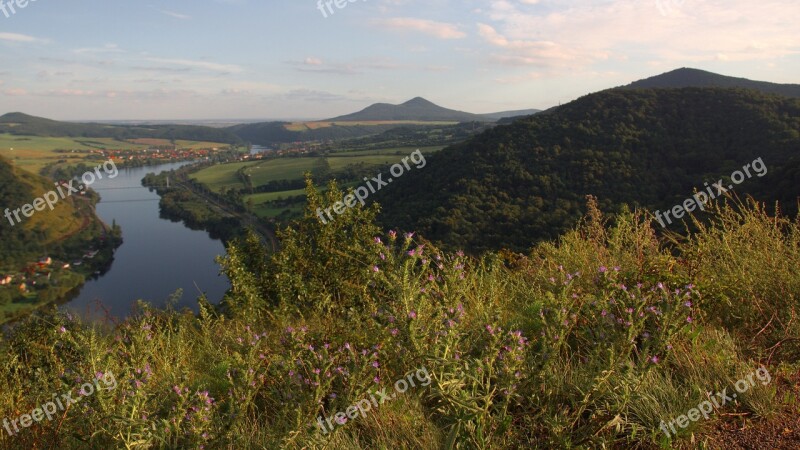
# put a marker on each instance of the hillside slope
(518, 184)
(30, 238)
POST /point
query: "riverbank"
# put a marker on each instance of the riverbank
(33, 283)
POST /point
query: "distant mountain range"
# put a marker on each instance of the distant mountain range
(421, 110)
(342, 127)
(686, 77)
(23, 124)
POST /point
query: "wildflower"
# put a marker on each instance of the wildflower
(376, 269)
(411, 253)
(654, 359)
(460, 254)
(392, 234)
(408, 236)
(412, 315)
(688, 304)
(375, 364)
(603, 269)
(62, 330)
(603, 313)
(378, 240)
(395, 331)
(383, 257)
(377, 380)
(689, 319)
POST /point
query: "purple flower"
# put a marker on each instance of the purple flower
(654, 359)
(412, 315)
(376, 269)
(395, 331)
(378, 240)
(409, 235)
(62, 330)
(392, 234)
(603, 269)
(689, 319)
(375, 364)
(688, 304)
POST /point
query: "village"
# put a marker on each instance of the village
(40, 274)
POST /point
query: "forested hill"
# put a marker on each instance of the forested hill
(517, 184)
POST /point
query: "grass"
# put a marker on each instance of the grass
(582, 343)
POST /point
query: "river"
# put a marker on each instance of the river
(157, 257)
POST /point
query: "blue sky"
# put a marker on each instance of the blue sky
(247, 59)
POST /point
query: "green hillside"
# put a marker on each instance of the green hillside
(517, 184)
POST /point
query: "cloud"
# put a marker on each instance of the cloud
(174, 14)
(16, 92)
(16, 37)
(440, 30)
(316, 65)
(582, 32)
(202, 65)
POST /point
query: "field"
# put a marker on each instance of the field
(32, 153)
(222, 177)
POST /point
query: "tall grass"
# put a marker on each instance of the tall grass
(588, 342)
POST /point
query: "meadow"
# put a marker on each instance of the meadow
(223, 177)
(590, 341)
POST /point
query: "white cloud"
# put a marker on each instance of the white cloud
(16, 37)
(440, 30)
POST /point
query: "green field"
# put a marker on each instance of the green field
(222, 177)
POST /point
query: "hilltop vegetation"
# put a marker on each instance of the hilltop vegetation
(590, 342)
(518, 184)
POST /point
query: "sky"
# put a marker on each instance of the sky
(297, 59)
